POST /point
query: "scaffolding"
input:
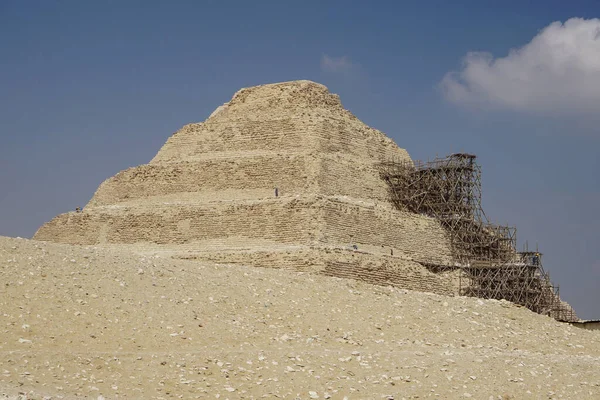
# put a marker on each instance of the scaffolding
(449, 190)
(522, 281)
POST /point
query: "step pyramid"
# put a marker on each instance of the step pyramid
(281, 176)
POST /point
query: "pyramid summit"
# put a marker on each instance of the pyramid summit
(280, 176)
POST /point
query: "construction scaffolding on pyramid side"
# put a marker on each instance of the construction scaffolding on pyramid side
(449, 190)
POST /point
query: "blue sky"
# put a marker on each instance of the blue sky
(90, 88)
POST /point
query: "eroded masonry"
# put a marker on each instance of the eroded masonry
(282, 176)
(484, 255)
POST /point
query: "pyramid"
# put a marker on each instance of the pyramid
(281, 176)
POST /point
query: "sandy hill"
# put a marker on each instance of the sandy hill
(91, 322)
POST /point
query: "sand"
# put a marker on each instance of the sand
(107, 323)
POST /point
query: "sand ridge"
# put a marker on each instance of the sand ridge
(92, 322)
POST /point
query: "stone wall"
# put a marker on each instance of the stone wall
(310, 220)
(340, 263)
(290, 173)
(286, 221)
(197, 141)
(415, 236)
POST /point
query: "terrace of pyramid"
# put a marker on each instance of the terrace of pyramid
(280, 176)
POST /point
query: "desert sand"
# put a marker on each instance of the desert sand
(106, 323)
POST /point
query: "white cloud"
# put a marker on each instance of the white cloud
(558, 72)
(336, 64)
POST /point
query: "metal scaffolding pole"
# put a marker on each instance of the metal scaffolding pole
(449, 190)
